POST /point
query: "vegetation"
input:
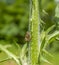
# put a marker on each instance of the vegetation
(41, 19)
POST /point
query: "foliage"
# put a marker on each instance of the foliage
(13, 20)
(14, 17)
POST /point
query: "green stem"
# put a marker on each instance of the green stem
(34, 51)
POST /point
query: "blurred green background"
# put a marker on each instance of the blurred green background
(14, 17)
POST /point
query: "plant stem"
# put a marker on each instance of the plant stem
(34, 51)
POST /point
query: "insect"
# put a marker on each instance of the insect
(27, 36)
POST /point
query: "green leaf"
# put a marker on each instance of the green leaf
(9, 54)
(51, 38)
(57, 11)
(45, 60)
(53, 35)
(50, 29)
(47, 53)
(23, 51)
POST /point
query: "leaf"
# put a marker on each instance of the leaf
(45, 12)
(6, 59)
(42, 21)
(23, 51)
(51, 38)
(50, 29)
(57, 38)
(53, 35)
(9, 54)
(57, 11)
(45, 60)
(7, 46)
(47, 53)
(44, 35)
